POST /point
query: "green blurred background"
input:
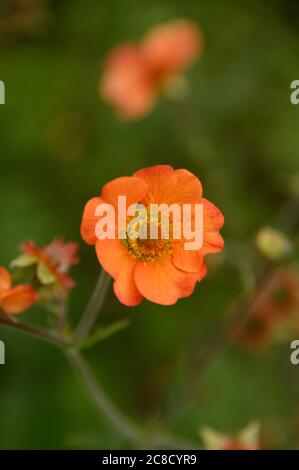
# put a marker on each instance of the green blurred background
(237, 130)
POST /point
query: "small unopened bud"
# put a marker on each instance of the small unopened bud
(273, 244)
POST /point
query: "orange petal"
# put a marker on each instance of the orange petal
(125, 287)
(169, 186)
(133, 188)
(172, 46)
(188, 286)
(18, 299)
(213, 243)
(187, 260)
(127, 83)
(188, 188)
(89, 221)
(158, 178)
(161, 282)
(213, 218)
(62, 254)
(202, 273)
(111, 254)
(5, 279)
(116, 261)
(213, 221)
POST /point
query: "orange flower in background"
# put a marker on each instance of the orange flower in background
(52, 262)
(160, 270)
(272, 312)
(247, 439)
(14, 300)
(135, 73)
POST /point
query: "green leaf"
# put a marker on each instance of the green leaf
(103, 333)
(23, 261)
(250, 434)
(44, 275)
(212, 439)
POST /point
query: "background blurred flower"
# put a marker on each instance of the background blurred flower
(247, 439)
(14, 300)
(274, 307)
(160, 270)
(135, 74)
(51, 263)
(22, 18)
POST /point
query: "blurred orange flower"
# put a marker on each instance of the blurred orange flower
(135, 73)
(16, 299)
(160, 270)
(247, 439)
(271, 311)
(52, 261)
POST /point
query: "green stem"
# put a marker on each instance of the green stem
(120, 421)
(127, 428)
(35, 331)
(93, 307)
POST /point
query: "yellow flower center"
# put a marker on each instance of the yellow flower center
(145, 248)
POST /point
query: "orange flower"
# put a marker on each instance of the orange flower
(235, 444)
(16, 299)
(52, 261)
(135, 73)
(160, 270)
(247, 439)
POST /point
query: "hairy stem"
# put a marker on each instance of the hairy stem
(93, 307)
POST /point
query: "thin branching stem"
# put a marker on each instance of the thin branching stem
(35, 331)
(93, 308)
(115, 416)
(120, 422)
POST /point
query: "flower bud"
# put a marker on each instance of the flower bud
(273, 244)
